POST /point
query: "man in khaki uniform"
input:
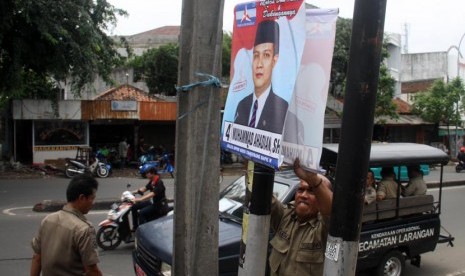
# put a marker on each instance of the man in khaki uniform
(416, 185)
(387, 187)
(66, 242)
(370, 191)
(301, 227)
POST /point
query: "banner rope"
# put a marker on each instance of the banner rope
(211, 80)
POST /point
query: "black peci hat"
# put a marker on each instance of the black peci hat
(268, 32)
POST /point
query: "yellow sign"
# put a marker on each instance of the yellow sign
(55, 148)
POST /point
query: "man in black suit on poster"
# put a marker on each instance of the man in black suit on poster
(263, 109)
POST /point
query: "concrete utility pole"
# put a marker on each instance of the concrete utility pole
(356, 135)
(256, 220)
(197, 141)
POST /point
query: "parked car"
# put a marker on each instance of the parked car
(392, 230)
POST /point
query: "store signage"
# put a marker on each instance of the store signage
(124, 105)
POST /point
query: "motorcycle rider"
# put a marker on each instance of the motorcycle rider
(151, 205)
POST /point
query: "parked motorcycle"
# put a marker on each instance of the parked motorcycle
(118, 226)
(97, 167)
(167, 166)
(460, 167)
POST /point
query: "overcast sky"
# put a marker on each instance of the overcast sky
(433, 25)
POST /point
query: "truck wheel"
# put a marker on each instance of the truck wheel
(392, 264)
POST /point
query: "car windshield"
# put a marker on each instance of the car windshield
(233, 196)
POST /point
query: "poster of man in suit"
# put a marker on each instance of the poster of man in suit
(263, 109)
(268, 40)
(280, 69)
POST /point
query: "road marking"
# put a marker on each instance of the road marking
(10, 213)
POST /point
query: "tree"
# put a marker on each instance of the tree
(44, 42)
(226, 55)
(386, 84)
(158, 67)
(441, 103)
(340, 56)
(384, 104)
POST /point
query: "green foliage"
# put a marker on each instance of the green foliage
(340, 56)
(226, 54)
(441, 103)
(384, 104)
(159, 68)
(386, 84)
(53, 41)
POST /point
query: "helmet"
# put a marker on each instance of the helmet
(462, 149)
(127, 196)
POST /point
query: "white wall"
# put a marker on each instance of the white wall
(42, 109)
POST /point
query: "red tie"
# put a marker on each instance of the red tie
(254, 114)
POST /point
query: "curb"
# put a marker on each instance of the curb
(56, 205)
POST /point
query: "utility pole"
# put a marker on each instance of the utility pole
(196, 190)
(356, 134)
(257, 214)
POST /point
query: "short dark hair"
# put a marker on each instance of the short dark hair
(152, 170)
(81, 185)
(387, 171)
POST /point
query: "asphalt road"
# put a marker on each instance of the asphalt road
(20, 223)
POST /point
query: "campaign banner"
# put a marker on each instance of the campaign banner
(304, 126)
(267, 44)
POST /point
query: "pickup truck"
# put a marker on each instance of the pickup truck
(392, 232)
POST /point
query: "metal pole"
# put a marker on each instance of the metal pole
(459, 54)
(356, 134)
(257, 210)
(195, 245)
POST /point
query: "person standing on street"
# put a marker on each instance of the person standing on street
(123, 152)
(301, 227)
(66, 243)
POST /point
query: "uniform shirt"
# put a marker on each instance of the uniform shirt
(66, 243)
(298, 248)
(388, 188)
(415, 186)
(370, 195)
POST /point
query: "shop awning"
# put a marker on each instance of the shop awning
(452, 131)
(403, 119)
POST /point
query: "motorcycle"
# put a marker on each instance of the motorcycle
(97, 167)
(460, 167)
(167, 166)
(118, 225)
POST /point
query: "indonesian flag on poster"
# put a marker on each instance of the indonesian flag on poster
(267, 56)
